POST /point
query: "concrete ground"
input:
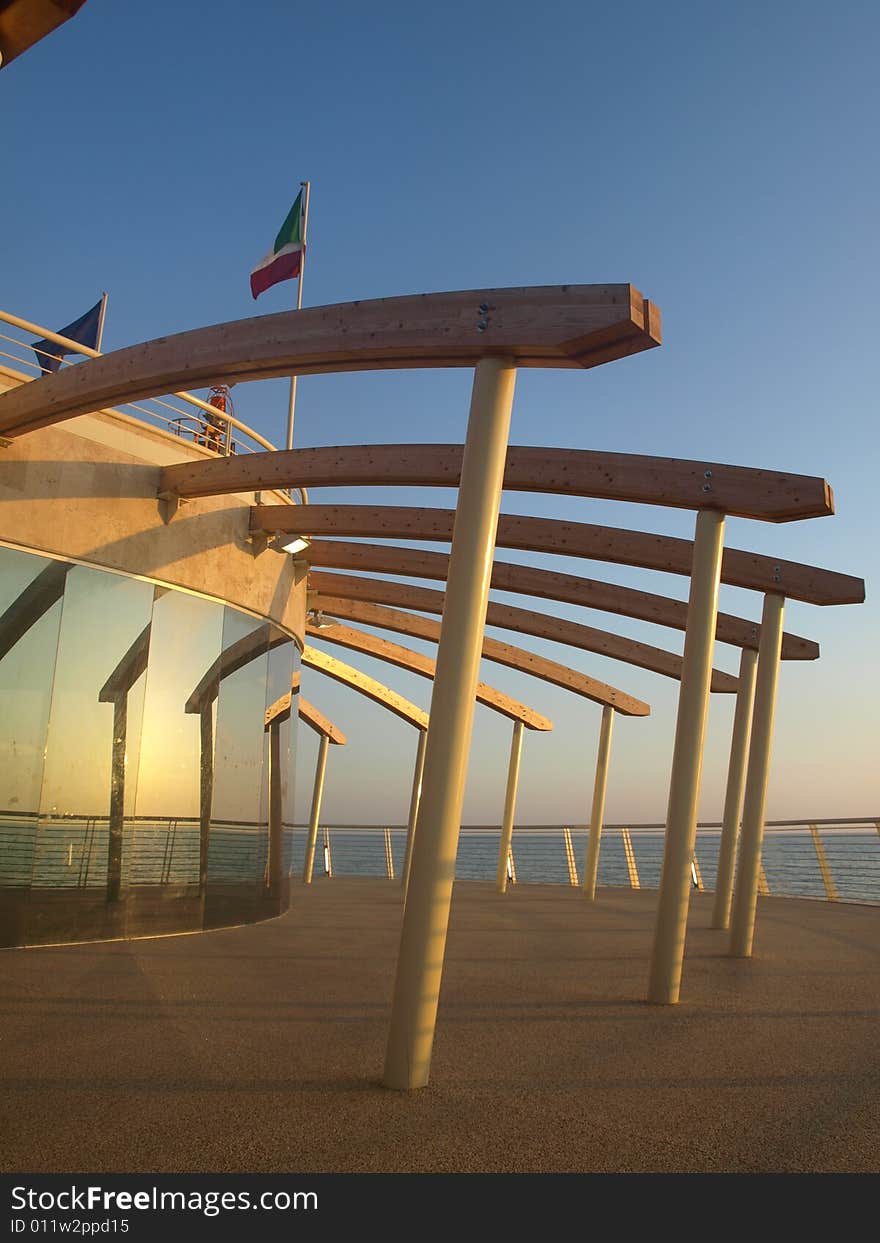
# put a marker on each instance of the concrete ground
(260, 1048)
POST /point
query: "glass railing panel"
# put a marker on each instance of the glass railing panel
(94, 725)
(185, 641)
(30, 620)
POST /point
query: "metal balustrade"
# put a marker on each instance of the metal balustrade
(198, 421)
(838, 860)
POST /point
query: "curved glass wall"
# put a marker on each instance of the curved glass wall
(143, 786)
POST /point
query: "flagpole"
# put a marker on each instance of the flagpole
(101, 315)
(291, 406)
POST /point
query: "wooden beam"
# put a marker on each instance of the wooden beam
(744, 492)
(320, 724)
(129, 668)
(501, 653)
(280, 711)
(559, 630)
(568, 539)
(234, 657)
(526, 580)
(415, 662)
(365, 685)
(24, 22)
(548, 326)
(29, 606)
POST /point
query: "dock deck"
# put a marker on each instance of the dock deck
(261, 1048)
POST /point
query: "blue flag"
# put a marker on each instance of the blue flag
(83, 330)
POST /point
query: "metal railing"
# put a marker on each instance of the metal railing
(201, 423)
(838, 860)
(70, 851)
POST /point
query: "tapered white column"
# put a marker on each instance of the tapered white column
(736, 780)
(509, 807)
(687, 760)
(745, 894)
(597, 815)
(426, 914)
(414, 800)
(317, 794)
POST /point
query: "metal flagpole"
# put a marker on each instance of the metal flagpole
(101, 317)
(291, 406)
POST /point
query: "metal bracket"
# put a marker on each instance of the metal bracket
(258, 541)
(169, 503)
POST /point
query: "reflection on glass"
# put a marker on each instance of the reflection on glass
(185, 641)
(275, 753)
(238, 841)
(293, 738)
(30, 616)
(135, 721)
(103, 624)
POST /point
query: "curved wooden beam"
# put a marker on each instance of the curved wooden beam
(547, 326)
(741, 491)
(320, 724)
(364, 685)
(232, 658)
(567, 539)
(559, 630)
(501, 653)
(415, 662)
(527, 580)
(129, 668)
(28, 607)
(280, 710)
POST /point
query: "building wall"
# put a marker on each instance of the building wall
(101, 735)
(139, 650)
(65, 491)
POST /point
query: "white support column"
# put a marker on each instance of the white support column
(597, 815)
(745, 895)
(317, 794)
(736, 780)
(426, 914)
(509, 807)
(414, 801)
(687, 760)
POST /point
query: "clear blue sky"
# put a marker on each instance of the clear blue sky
(720, 157)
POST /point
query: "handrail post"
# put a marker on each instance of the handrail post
(630, 855)
(426, 914)
(687, 760)
(824, 866)
(569, 857)
(414, 800)
(745, 894)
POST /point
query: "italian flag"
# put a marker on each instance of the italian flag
(284, 260)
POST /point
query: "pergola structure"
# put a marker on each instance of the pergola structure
(495, 332)
(24, 23)
(328, 733)
(522, 716)
(386, 698)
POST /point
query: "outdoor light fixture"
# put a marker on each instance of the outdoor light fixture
(297, 545)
